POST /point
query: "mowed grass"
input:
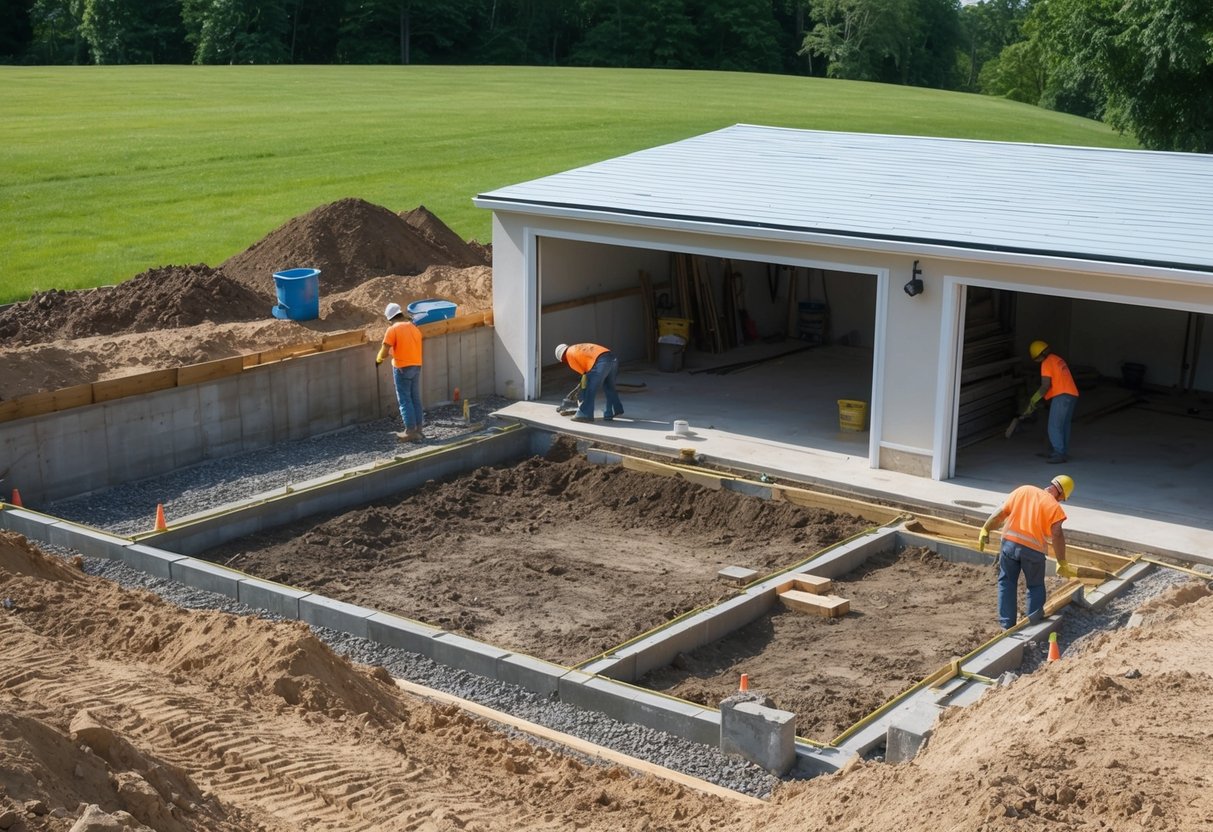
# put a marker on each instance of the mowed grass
(110, 171)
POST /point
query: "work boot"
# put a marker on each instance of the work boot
(1056, 459)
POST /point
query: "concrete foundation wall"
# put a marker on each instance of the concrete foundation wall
(75, 451)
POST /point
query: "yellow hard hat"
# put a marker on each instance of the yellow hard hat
(1036, 348)
(1064, 484)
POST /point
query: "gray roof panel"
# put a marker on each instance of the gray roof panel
(1120, 206)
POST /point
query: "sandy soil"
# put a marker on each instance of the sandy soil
(910, 614)
(557, 558)
(188, 720)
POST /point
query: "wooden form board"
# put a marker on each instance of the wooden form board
(118, 388)
(804, 582)
(966, 535)
(826, 606)
(38, 404)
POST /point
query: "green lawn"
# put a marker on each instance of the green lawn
(109, 171)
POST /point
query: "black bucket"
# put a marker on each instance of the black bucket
(1133, 374)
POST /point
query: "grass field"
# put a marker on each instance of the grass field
(109, 171)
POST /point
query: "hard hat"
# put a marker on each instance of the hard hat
(560, 351)
(1036, 348)
(392, 310)
(1064, 484)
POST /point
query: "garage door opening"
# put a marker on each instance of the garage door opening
(759, 349)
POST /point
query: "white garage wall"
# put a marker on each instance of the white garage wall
(1106, 335)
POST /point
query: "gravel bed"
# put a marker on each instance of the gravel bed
(130, 508)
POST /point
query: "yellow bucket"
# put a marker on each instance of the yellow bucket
(674, 326)
(852, 415)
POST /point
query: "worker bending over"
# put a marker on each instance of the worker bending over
(1057, 387)
(597, 367)
(1033, 519)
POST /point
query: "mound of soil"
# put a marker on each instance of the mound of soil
(350, 241)
(163, 298)
(437, 232)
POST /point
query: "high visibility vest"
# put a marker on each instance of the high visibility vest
(1031, 513)
(1055, 368)
(404, 338)
(581, 357)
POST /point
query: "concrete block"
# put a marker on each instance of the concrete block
(749, 489)
(270, 596)
(737, 575)
(33, 525)
(704, 727)
(764, 736)
(403, 633)
(613, 666)
(219, 412)
(88, 542)
(468, 654)
(532, 674)
(184, 424)
(910, 731)
(599, 457)
(812, 761)
(207, 576)
(336, 615)
(148, 559)
(735, 613)
(659, 649)
(663, 713)
(323, 393)
(569, 687)
(1097, 597)
(257, 428)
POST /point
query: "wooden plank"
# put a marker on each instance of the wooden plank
(460, 323)
(813, 499)
(337, 340)
(966, 535)
(288, 351)
(647, 466)
(826, 606)
(985, 370)
(50, 401)
(118, 388)
(577, 744)
(804, 582)
(210, 370)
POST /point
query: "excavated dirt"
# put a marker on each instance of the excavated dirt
(177, 315)
(190, 720)
(558, 558)
(910, 614)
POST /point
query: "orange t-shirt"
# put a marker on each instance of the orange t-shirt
(1031, 513)
(581, 357)
(404, 339)
(1055, 368)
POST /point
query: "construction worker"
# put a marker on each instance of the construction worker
(598, 367)
(1033, 519)
(403, 341)
(1057, 387)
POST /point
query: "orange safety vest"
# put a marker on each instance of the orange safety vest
(581, 357)
(404, 338)
(1055, 368)
(1031, 513)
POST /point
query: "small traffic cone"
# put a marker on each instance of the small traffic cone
(1054, 650)
(17, 498)
(745, 682)
(161, 526)
(455, 397)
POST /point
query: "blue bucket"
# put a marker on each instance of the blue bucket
(298, 294)
(431, 310)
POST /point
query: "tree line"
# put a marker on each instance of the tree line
(1143, 66)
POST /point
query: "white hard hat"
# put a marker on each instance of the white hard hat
(392, 310)
(560, 351)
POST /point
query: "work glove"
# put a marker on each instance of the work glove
(583, 381)
(983, 537)
(1033, 403)
(378, 361)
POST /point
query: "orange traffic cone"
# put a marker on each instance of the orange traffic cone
(17, 498)
(161, 526)
(745, 682)
(455, 397)
(1054, 650)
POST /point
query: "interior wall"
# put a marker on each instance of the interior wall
(1107, 335)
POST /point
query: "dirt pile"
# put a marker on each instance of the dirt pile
(350, 241)
(168, 297)
(437, 232)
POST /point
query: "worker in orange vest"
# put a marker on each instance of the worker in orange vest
(1033, 519)
(597, 367)
(1057, 387)
(403, 341)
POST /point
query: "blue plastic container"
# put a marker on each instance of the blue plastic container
(298, 294)
(431, 310)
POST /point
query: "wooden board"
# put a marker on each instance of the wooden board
(343, 339)
(288, 351)
(451, 326)
(813, 499)
(804, 582)
(104, 391)
(826, 606)
(210, 370)
(966, 535)
(39, 404)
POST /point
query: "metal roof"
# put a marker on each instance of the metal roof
(1135, 207)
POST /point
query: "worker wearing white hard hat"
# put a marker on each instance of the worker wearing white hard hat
(403, 341)
(1033, 518)
(598, 368)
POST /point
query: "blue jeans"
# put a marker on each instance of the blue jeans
(408, 396)
(1013, 559)
(1061, 411)
(602, 374)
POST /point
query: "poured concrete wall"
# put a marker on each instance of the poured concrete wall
(83, 449)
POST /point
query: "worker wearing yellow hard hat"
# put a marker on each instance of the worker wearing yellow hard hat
(1057, 387)
(1033, 518)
